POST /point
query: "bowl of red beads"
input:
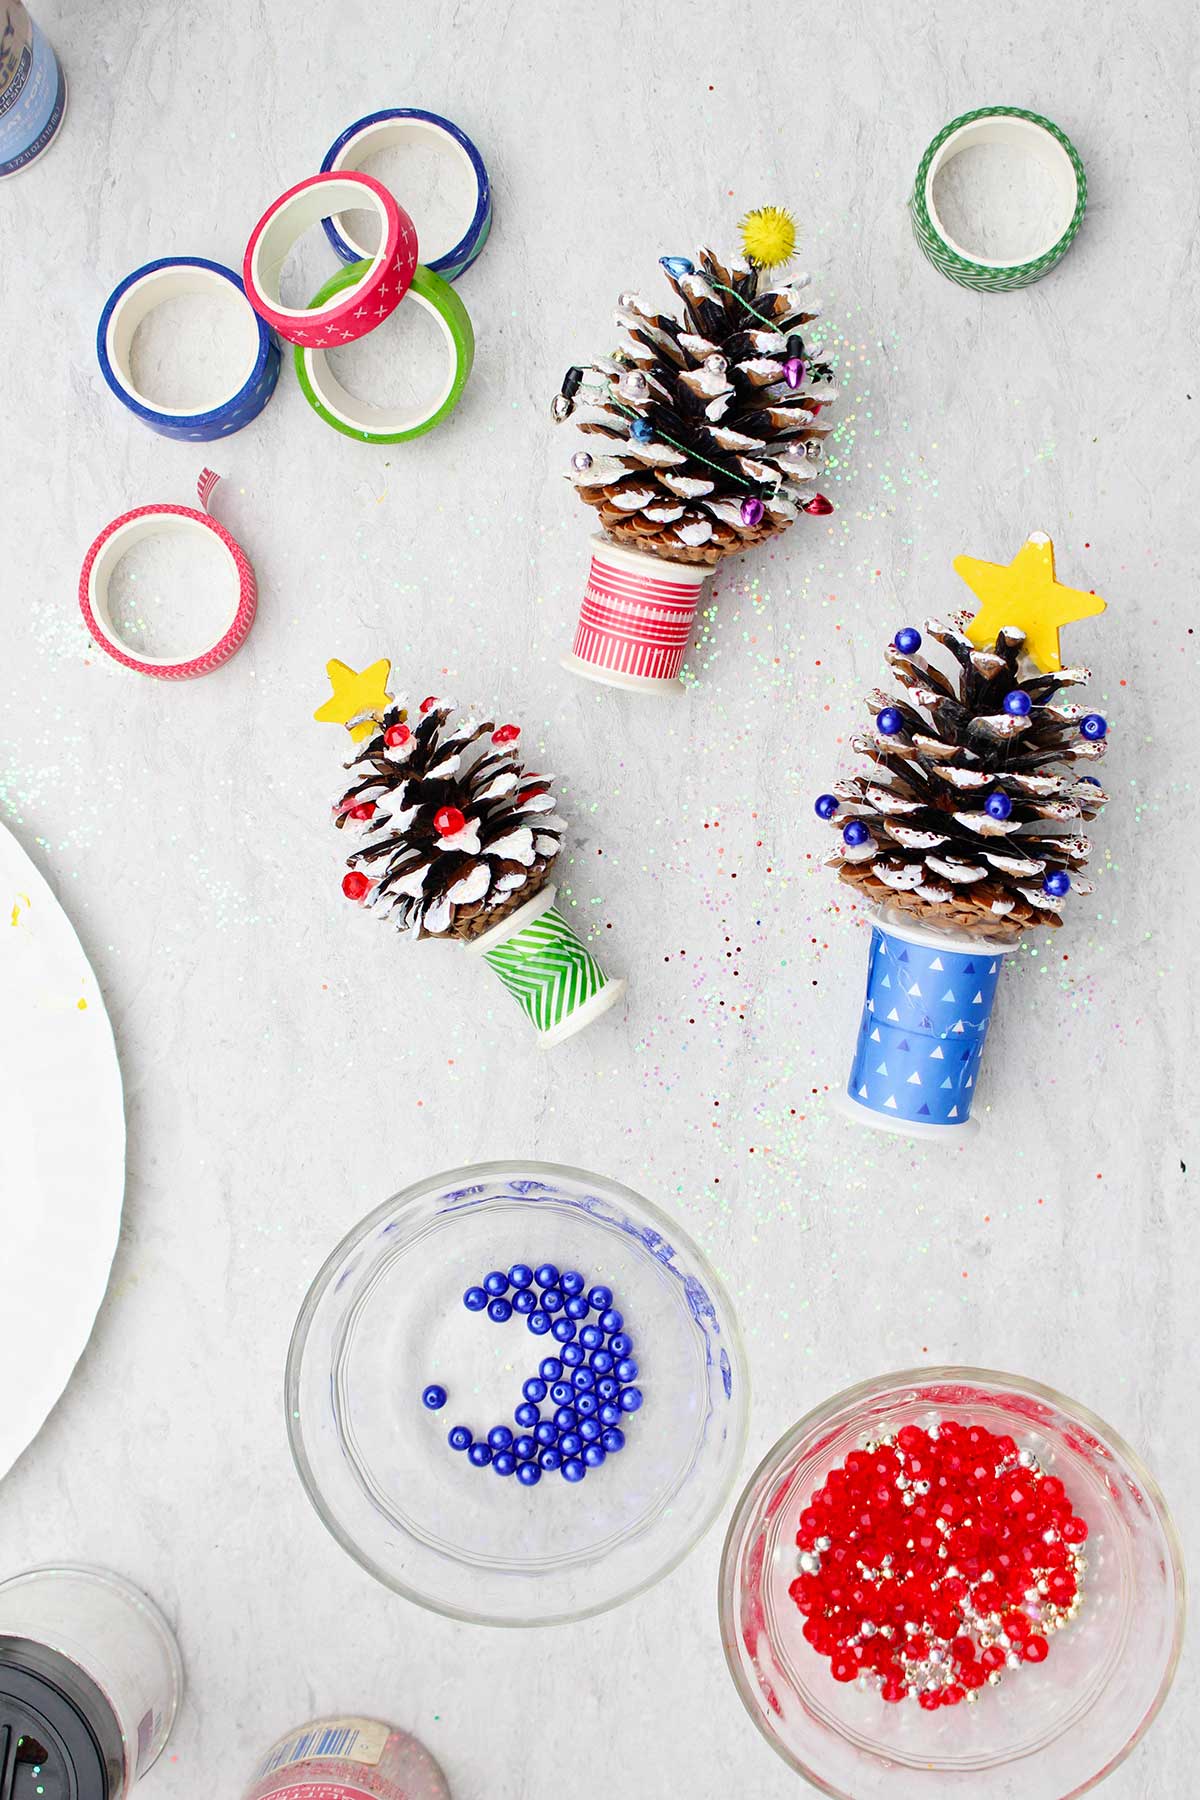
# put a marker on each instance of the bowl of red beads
(952, 1581)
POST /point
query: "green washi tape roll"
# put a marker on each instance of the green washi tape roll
(548, 970)
(381, 424)
(1012, 126)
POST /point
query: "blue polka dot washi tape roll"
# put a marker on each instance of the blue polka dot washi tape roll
(408, 128)
(33, 90)
(924, 1023)
(235, 401)
(1014, 128)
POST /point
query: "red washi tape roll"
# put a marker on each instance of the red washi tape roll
(635, 620)
(151, 521)
(352, 312)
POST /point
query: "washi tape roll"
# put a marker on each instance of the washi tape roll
(353, 311)
(234, 402)
(382, 424)
(548, 970)
(924, 1023)
(406, 127)
(1008, 125)
(33, 90)
(150, 521)
(635, 620)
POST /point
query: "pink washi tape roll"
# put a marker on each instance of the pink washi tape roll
(636, 619)
(150, 521)
(351, 312)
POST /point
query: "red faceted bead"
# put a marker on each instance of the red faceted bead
(428, 703)
(992, 1657)
(363, 811)
(930, 1699)
(911, 1437)
(1036, 1649)
(818, 504)
(355, 885)
(951, 1695)
(506, 734)
(396, 736)
(1074, 1531)
(448, 821)
(892, 1691)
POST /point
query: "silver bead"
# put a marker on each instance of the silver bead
(1027, 1459)
(909, 1499)
(824, 1543)
(717, 365)
(1012, 1662)
(814, 449)
(868, 1629)
(581, 461)
(922, 1487)
(1049, 1537)
(910, 1629)
(636, 383)
(560, 408)
(887, 1631)
(809, 1564)
(994, 1678)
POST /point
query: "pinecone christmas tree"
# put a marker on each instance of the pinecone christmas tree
(709, 425)
(455, 833)
(971, 816)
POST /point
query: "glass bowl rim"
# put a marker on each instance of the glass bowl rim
(845, 1399)
(407, 1197)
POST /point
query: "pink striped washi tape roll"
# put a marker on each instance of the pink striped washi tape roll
(148, 521)
(635, 620)
(352, 312)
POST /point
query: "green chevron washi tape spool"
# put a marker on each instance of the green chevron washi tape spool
(550, 973)
(1013, 128)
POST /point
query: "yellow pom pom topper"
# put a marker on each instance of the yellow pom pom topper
(1024, 594)
(769, 236)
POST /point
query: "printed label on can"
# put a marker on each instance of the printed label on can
(320, 1790)
(32, 89)
(360, 1741)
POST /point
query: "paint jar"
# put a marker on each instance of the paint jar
(348, 1758)
(33, 90)
(90, 1683)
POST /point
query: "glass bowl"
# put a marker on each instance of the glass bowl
(385, 1318)
(1052, 1731)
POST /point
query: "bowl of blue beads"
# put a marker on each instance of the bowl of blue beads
(517, 1394)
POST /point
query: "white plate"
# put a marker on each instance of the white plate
(62, 1150)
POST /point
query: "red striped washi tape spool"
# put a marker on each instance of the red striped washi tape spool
(636, 619)
(106, 553)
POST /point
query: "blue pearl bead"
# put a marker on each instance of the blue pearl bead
(573, 1469)
(1093, 726)
(505, 1463)
(572, 1355)
(566, 1418)
(627, 1369)
(1018, 704)
(611, 1322)
(583, 1379)
(998, 805)
(570, 1443)
(475, 1299)
(586, 1405)
(631, 1399)
(550, 1459)
(561, 1393)
(889, 721)
(622, 1344)
(610, 1414)
(613, 1440)
(496, 1282)
(527, 1415)
(641, 430)
(529, 1474)
(577, 1307)
(679, 266)
(434, 1396)
(546, 1276)
(520, 1275)
(608, 1387)
(499, 1310)
(538, 1323)
(545, 1432)
(593, 1455)
(551, 1300)
(825, 805)
(480, 1455)
(1090, 779)
(1057, 883)
(550, 1369)
(908, 640)
(572, 1282)
(534, 1389)
(500, 1437)
(564, 1330)
(523, 1302)
(600, 1299)
(524, 1447)
(591, 1337)
(590, 1430)
(458, 1437)
(601, 1361)
(855, 832)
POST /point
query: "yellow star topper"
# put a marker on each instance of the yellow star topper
(357, 695)
(1025, 595)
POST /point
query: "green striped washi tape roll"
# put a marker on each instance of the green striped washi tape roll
(552, 975)
(391, 425)
(1024, 130)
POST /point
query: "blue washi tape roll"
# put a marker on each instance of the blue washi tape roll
(407, 127)
(33, 90)
(239, 400)
(924, 1022)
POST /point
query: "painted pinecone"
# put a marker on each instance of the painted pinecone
(711, 427)
(456, 833)
(933, 848)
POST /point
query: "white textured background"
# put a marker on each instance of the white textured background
(287, 1065)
